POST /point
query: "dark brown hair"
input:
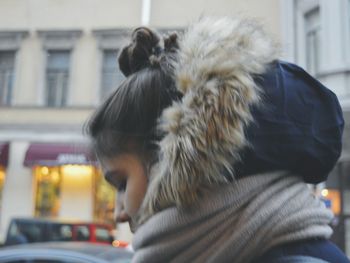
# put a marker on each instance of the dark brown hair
(127, 120)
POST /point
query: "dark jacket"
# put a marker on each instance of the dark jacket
(319, 249)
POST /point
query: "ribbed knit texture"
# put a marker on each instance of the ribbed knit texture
(235, 222)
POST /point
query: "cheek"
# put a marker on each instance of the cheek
(134, 194)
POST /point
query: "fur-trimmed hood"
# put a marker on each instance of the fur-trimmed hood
(205, 132)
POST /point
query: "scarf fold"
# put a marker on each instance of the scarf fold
(235, 222)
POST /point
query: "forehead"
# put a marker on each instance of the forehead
(109, 144)
(120, 161)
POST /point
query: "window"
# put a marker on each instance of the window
(111, 74)
(2, 180)
(61, 232)
(348, 32)
(103, 235)
(348, 9)
(83, 233)
(313, 37)
(109, 41)
(59, 46)
(48, 186)
(25, 232)
(57, 77)
(7, 61)
(104, 199)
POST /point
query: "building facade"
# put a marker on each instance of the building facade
(57, 63)
(316, 35)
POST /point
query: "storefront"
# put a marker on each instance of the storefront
(4, 151)
(68, 184)
(336, 196)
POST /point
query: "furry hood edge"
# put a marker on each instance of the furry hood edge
(204, 132)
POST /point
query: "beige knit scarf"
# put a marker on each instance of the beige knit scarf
(235, 222)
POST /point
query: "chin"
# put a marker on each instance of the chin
(133, 226)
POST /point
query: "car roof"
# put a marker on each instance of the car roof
(56, 221)
(102, 252)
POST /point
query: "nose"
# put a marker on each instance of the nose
(121, 215)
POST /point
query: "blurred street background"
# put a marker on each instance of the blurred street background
(58, 63)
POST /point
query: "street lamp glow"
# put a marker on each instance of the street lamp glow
(324, 192)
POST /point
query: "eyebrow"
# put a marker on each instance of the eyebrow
(116, 174)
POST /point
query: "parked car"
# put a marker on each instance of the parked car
(64, 252)
(31, 230)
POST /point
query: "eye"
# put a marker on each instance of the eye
(117, 180)
(121, 186)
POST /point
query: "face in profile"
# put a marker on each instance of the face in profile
(127, 173)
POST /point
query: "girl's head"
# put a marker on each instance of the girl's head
(124, 128)
(204, 132)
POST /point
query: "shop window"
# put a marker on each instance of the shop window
(313, 40)
(104, 199)
(48, 181)
(49, 190)
(331, 198)
(57, 77)
(111, 74)
(7, 62)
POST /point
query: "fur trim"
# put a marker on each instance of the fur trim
(217, 61)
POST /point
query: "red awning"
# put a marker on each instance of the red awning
(4, 153)
(52, 154)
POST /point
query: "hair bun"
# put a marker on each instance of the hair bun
(136, 56)
(170, 43)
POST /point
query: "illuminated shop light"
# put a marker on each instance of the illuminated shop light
(55, 177)
(77, 170)
(44, 170)
(324, 192)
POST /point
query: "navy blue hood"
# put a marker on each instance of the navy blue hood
(298, 127)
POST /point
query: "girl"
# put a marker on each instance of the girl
(211, 141)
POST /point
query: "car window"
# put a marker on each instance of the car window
(102, 234)
(25, 232)
(83, 233)
(61, 232)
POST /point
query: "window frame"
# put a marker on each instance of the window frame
(346, 9)
(9, 96)
(102, 92)
(11, 41)
(315, 32)
(58, 40)
(64, 97)
(302, 8)
(107, 39)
